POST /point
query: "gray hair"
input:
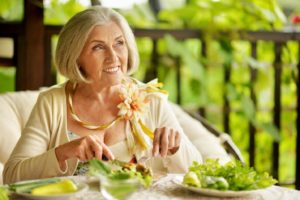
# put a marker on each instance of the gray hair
(74, 35)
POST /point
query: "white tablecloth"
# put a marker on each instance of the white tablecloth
(165, 188)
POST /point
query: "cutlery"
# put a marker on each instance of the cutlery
(143, 159)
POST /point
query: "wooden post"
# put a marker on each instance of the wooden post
(252, 129)
(204, 51)
(226, 104)
(298, 126)
(30, 48)
(277, 106)
(178, 80)
(151, 72)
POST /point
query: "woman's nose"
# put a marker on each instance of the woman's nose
(111, 55)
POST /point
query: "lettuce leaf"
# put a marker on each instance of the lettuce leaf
(231, 176)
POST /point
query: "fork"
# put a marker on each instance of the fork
(144, 159)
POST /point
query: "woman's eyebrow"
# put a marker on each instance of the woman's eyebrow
(97, 41)
(119, 37)
(100, 41)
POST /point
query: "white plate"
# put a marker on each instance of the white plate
(214, 193)
(82, 187)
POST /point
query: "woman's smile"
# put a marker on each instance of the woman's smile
(111, 69)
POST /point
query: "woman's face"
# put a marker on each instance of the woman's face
(104, 56)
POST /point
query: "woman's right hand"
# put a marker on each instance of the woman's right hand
(84, 148)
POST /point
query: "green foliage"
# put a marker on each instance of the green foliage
(59, 12)
(207, 14)
(140, 15)
(11, 10)
(7, 80)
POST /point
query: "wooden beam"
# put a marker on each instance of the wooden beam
(160, 33)
(10, 29)
(30, 48)
(276, 36)
(252, 36)
(6, 62)
(52, 29)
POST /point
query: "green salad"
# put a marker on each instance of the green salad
(50, 186)
(118, 170)
(3, 193)
(231, 176)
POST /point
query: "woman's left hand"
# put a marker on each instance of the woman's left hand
(166, 141)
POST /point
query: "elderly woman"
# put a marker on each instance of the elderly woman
(100, 112)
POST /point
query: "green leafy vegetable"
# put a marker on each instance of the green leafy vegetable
(28, 186)
(3, 193)
(97, 166)
(231, 176)
(61, 187)
(191, 179)
(118, 170)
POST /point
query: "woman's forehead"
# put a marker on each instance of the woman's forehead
(104, 32)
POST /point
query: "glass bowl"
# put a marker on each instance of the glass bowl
(113, 189)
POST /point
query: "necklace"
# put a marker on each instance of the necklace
(84, 123)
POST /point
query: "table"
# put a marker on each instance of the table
(166, 189)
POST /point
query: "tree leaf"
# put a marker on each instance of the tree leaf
(270, 129)
(248, 107)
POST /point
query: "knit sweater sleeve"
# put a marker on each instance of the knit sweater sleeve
(163, 116)
(33, 156)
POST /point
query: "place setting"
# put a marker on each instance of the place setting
(116, 179)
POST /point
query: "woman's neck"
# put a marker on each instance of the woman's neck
(96, 91)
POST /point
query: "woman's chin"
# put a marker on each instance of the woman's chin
(116, 80)
(110, 79)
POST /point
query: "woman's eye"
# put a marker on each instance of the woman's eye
(98, 47)
(120, 43)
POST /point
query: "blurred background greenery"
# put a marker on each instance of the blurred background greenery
(202, 78)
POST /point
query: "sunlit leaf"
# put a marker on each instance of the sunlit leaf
(278, 11)
(11, 10)
(178, 49)
(231, 92)
(254, 63)
(7, 80)
(270, 129)
(59, 12)
(140, 15)
(248, 107)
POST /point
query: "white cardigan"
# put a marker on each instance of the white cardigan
(34, 155)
